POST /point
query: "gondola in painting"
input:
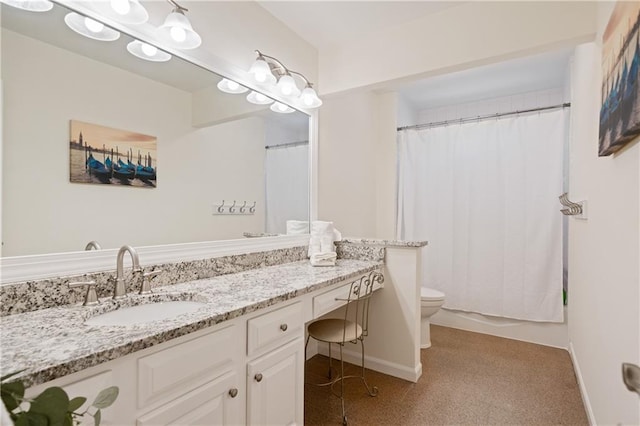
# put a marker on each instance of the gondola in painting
(104, 155)
(620, 109)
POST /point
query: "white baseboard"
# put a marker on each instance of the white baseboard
(376, 364)
(542, 333)
(583, 390)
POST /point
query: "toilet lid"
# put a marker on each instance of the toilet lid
(430, 294)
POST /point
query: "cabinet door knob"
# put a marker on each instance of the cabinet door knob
(258, 377)
(233, 392)
(283, 327)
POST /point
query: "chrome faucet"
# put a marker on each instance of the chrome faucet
(92, 245)
(120, 289)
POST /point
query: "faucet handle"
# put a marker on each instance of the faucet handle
(90, 298)
(145, 288)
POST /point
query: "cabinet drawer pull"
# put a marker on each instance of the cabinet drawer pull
(233, 392)
(258, 377)
(283, 327)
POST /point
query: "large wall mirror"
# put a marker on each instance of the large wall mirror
(211, 146)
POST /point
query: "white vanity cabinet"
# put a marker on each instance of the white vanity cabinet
(275, 371)
(208, 377)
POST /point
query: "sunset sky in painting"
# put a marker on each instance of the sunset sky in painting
(96, 135)
(622, 19)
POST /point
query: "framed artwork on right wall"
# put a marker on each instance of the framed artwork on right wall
(620, 109)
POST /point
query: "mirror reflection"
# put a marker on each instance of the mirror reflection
(213, 148)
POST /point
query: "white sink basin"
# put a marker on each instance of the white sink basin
(145, 313)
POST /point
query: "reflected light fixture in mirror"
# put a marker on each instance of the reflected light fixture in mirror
(30, 5)
(147, 52)
(258, 98)
(177, 30)
(281, 108)
(266, 69)
(124, 11)
(90, 28)
(230, 86)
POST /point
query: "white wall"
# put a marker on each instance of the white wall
(347, 164)
(604, 311)
(44, 212)
(503, 104)
(604, 251)
(232, 30)
(470, 34)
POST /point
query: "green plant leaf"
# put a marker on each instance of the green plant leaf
(12, 394)
(68, 420)
(97, 417)
(106, 397)
(76, 403)
(32, 419)
(53, 403)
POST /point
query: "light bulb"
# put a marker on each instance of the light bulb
(92, 25)
(310, 98)
(232, 85)
(260, 76)
(148, 49)
(260, 97)
(121, 7)
(287, 86)
(178, 34)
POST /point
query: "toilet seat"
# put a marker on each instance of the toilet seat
(429, 294)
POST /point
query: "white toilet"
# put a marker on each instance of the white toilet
(430, 302)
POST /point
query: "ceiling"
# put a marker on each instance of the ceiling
(326, 23)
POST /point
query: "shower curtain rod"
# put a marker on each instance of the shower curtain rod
(482, 117)
(287, 145)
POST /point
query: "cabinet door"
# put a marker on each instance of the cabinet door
(216, 403)
(275, 386)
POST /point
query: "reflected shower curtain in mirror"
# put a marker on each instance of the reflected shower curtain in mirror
(286, 185)
(485, 196)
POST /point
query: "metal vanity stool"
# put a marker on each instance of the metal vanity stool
(352, 328)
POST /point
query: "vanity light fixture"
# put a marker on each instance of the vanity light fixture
(258, 98)
(230, 86)
(30, 5)
(177, 29)
(281, 108)
(91, 28)
(261, 70)
(124, 11)
(147, 52)
(267, 69)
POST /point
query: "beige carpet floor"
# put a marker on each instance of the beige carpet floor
(467, 379)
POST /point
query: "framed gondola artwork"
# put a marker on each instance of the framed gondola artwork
(620, 108)
(107, 156)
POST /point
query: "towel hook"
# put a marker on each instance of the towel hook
(573, 209)
(232, 209)
(252, 209)
(221, 207)
(242, 209)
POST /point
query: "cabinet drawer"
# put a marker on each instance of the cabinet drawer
(174, 371)
(326, 302)
(275, 328)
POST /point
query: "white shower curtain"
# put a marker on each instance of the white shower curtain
(286, 186)
(485, 196)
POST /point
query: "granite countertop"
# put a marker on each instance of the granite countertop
(54, 342)
(385, 243)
